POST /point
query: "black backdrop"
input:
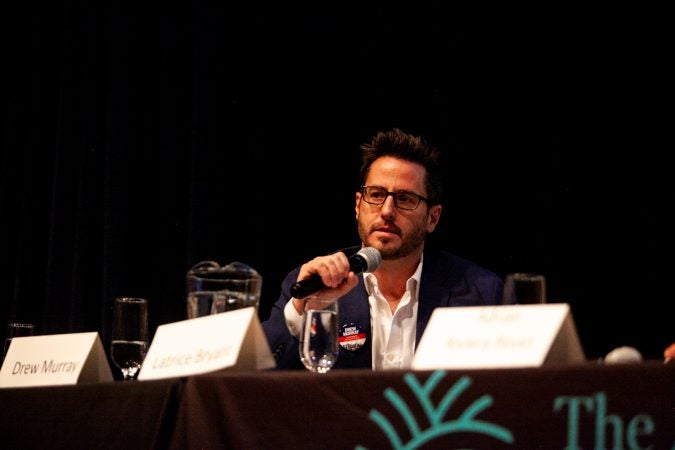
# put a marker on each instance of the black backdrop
(139, 140)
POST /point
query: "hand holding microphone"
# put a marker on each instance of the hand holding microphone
(365, 260)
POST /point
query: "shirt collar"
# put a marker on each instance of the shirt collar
(412, 285)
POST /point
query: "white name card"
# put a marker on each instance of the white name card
(232, 339)
(498, 336)
(55, 359)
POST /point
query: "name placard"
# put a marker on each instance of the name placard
(230, 340)
(498, 336)
(55, 359)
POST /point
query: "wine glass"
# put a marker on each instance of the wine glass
(129, 343)
(319, 346)
(524, 289)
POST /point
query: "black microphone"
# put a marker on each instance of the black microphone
(366, 260)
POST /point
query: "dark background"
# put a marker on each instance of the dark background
(139, 140)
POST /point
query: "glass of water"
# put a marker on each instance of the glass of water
(129, 343)
(319, 346)
(524, 289)
(17, 329)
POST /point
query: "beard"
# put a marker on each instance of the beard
(408, 245)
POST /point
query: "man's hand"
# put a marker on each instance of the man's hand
(335, 274)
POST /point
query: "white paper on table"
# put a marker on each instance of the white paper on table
(498, 336)
(230, 340)
(55, 359)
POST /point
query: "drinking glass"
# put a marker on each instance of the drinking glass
(16, 329)
(129, 343)
(524, 289)
(319, 346)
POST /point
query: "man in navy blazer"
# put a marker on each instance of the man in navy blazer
(384, 312)
(447, 280)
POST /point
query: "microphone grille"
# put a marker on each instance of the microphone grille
(622, 355)
(372, 256)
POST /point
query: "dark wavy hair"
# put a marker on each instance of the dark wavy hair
(408, 147)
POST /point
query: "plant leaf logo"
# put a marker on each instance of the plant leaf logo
(465, 422)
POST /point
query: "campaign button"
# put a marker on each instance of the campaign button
(352, 336)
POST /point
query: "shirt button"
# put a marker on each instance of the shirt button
(391, 357)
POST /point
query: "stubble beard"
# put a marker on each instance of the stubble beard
(409, 244)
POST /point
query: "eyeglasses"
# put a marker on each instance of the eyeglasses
(376, 195)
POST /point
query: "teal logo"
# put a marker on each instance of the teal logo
(465, 422)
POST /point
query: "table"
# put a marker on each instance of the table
(574, 406)
(589, 406)
(111, 415)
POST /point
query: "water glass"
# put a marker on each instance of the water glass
(524, 289)
(17, 329)
(129, 343)
(319, 346)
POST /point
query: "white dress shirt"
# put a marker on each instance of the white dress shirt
(393, 334)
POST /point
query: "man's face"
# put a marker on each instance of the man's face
(396, 232)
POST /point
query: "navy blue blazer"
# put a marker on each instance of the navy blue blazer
(447, 280)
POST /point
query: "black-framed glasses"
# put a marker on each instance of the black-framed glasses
(376, 195)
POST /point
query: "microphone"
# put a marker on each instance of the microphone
(366, 260)
(623, 355)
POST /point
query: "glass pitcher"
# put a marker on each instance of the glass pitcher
(213, 289)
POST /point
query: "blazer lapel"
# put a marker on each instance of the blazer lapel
(354, 309)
